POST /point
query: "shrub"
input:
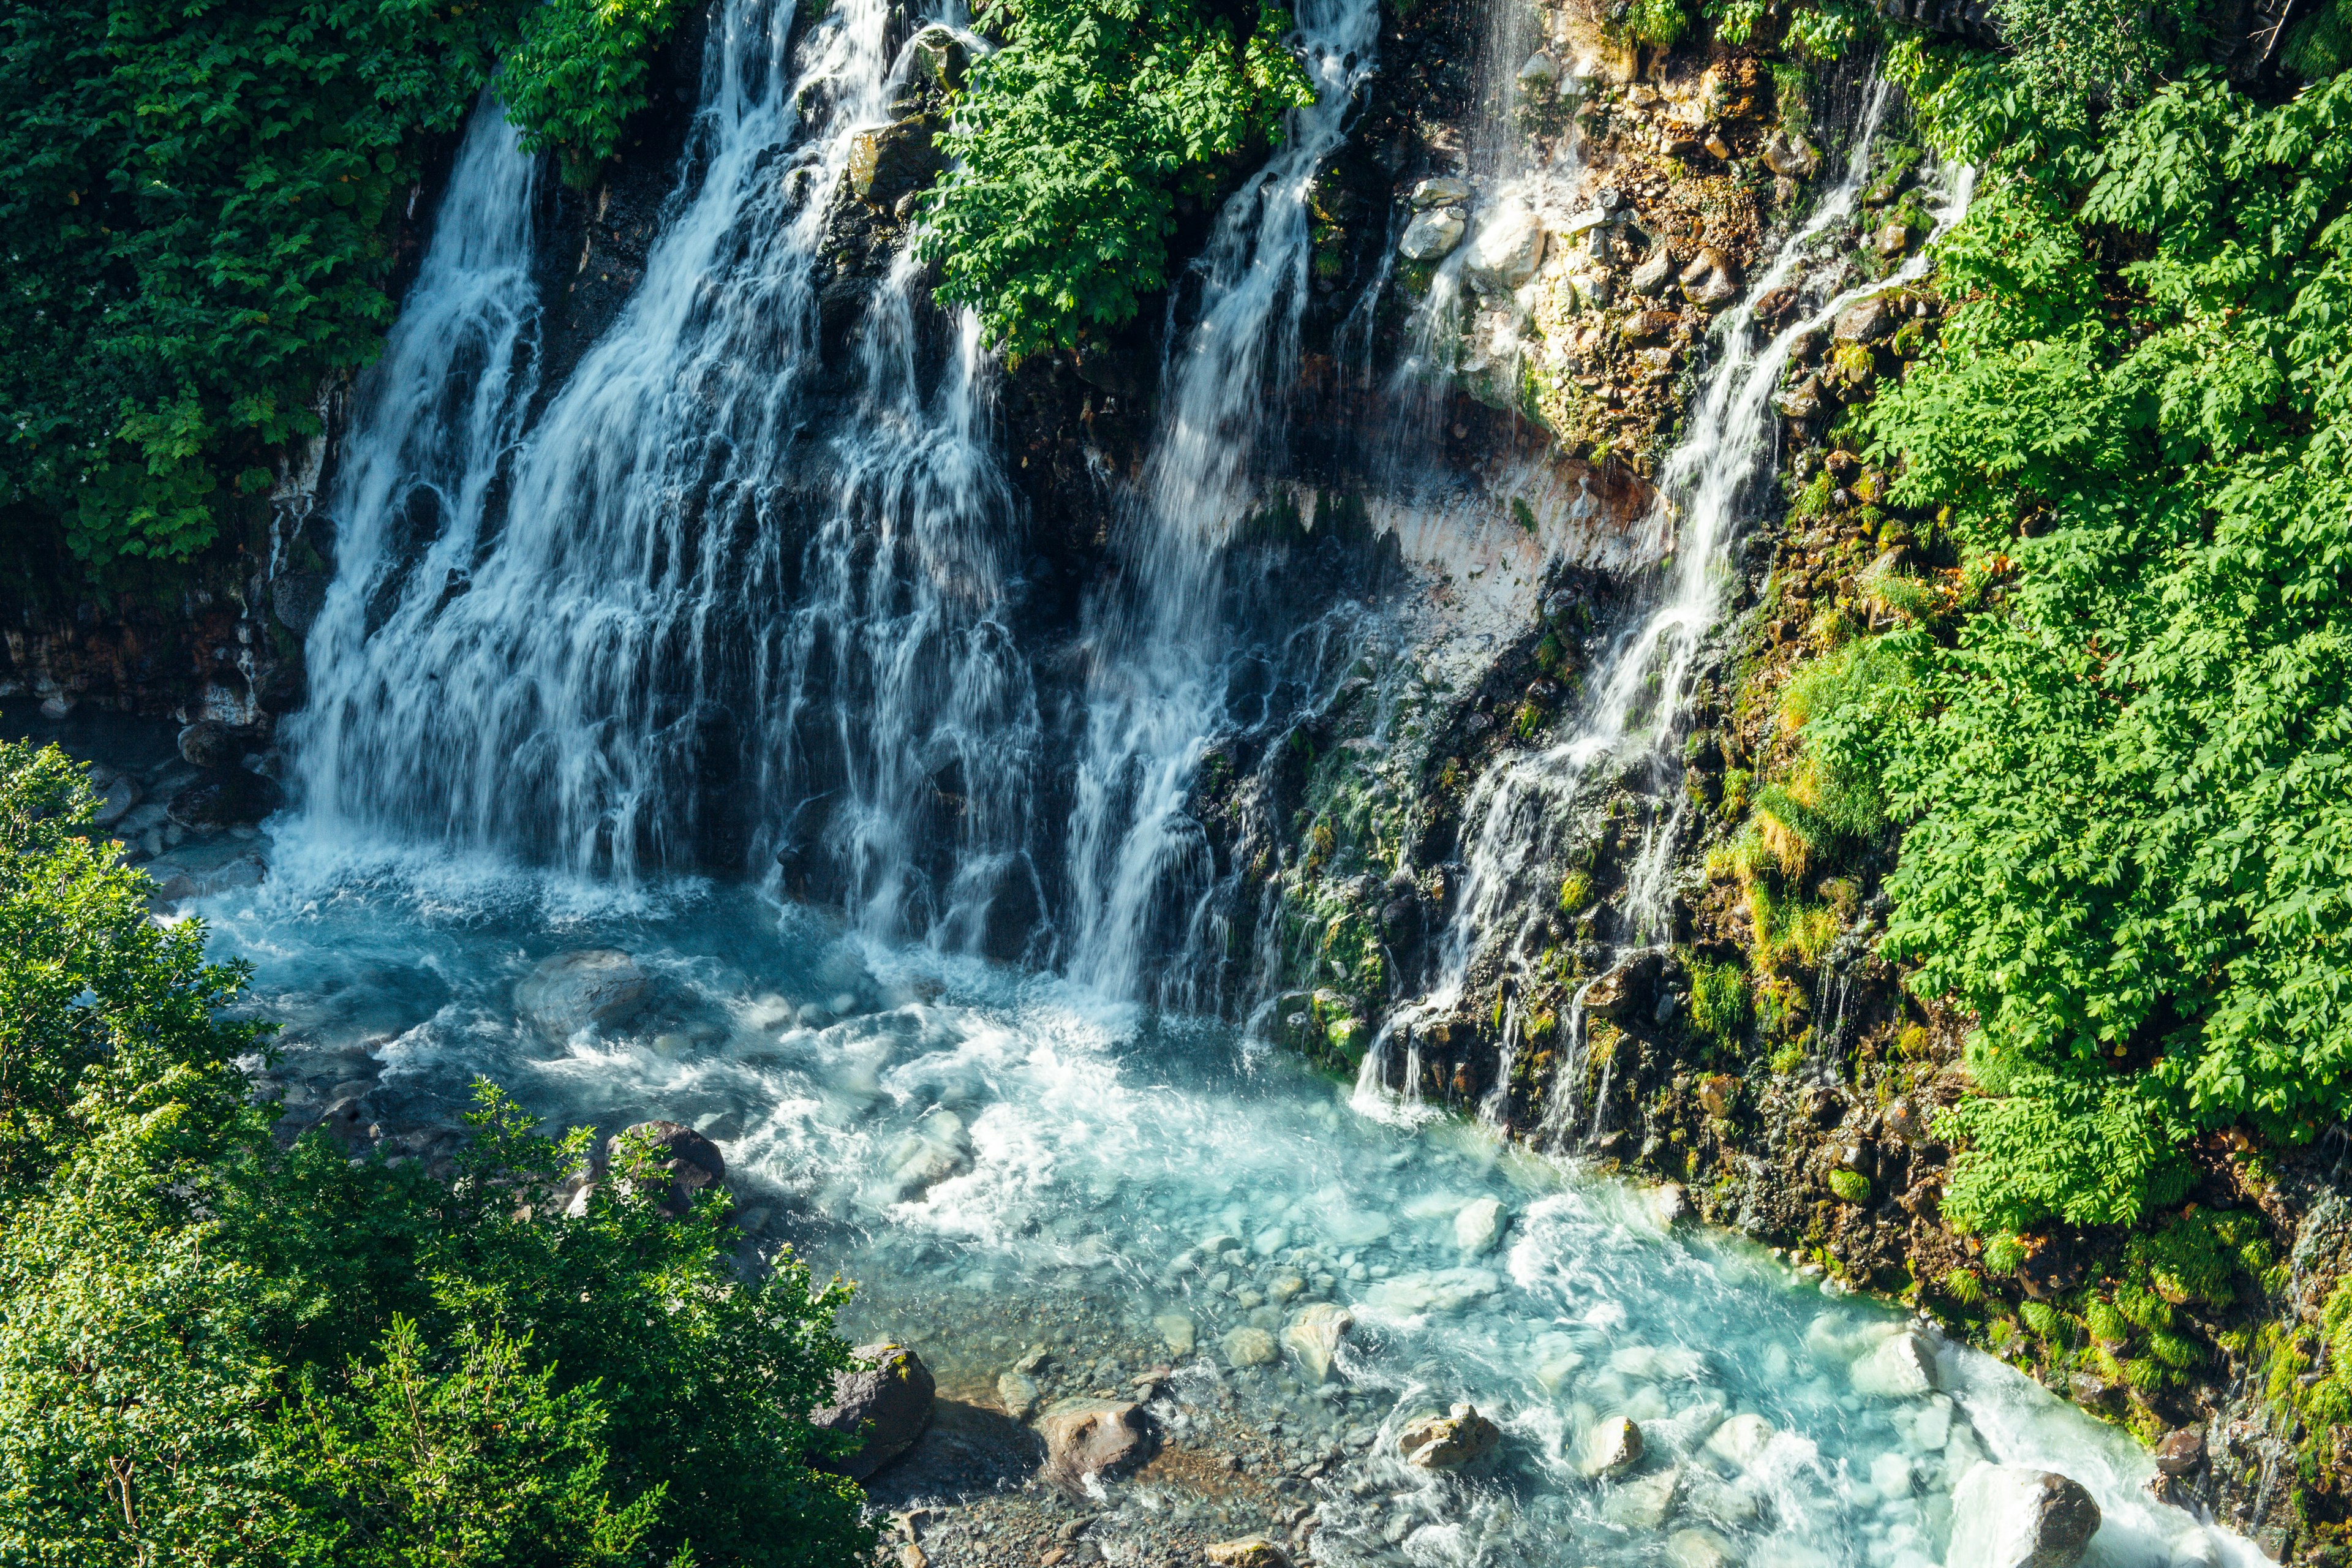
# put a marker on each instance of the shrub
(1659, 22)
(1963, 1285)
(1072, 144)
(2043, 1319)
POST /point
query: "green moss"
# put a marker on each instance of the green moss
(2043, 1319)
(1851, 1185)
(1787, 1059)
(1963, 1285)
(1718, 999)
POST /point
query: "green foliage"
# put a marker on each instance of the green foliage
(2003, 1253)
(2126, 777)
(1718, 999)
(1734, 20)
(1963, 1285)
(199, 213)
(1659, 22)
(2075, 54)
(308, 1359)
(1825, 30)
(1073, 142)
(2320, 44)
(1851, 1186)
(2043, 1319)
(2196, 1257)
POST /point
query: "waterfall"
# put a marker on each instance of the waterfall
(713, 610)
(1521, 815)
(1158, 649)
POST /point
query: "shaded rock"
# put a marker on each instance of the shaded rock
(1432, 235)
(890, 161)
(1901, 1366)
(115, 801)
(1450, 1441)
(597, 988)
(889, 1402)
(209, 744)
(296, 598)
(1098, 1437)
(686, 1157)
(2010, 1517)
(1249, 1552)
(229, 798)
(1614, 1444)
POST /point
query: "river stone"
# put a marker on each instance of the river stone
(1446, 191)
(1902, 1366)
(1651, 278)
(1802, 400)
(600, 988)
(1249, 1347)
(1092, 1438)
(115, 801)
(1478, 1225)
(1313, 1339)
(1742, 1440)
(1432, 235)
(1450, 1441)
(209, 744)
(691, 1161)
(1507, 250)
(890, 1401)
(1435, 1290)
(1892, 240)
(2181, 1451)
(228, 797)
(1017, 1391)
(1865, 320)
(1614, 1444)
(1645, 1502)
(1177, 1331)
(1249, 1552)
(2006, 1516)
(1697, 1548)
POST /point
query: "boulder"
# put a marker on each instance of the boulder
(229, 797)
(1652, 275)
(1249, 1552)
(1313, 1339)
(1250, 1347)
(598, 989)
(690, 1161)
(939, 60)
(296, 598)
(1645, 1502)
(2007, 1516)
(1901, 1366)
(1741, 1440)
(1865, 320)
(1432, 235)
(1507, 250)
(1450, 1441)
(1478, 1225)
(1614, 1444)
(1789, 155)
(1801, 402)
(2181, 1451)
(1093, 1438)
(1446, 191)
(209, 744)
(1540, 74)
(939, 1148)
(1892, 240)
(890, 161)
(888, 1401)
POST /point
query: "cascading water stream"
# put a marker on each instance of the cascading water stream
(1158, 643)
(709, 613)
(1522, 813)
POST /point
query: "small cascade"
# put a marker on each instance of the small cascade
(1523, 820)
(1159, 650)
(731, 600)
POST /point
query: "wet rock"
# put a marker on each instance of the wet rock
(1700, 1548)
(1742, 1440)
(1901, 1366)
(209, 744)
(1478, 1226)
(1670, 1201)
(1540, 73)
(1313, 1339)
(1450, 1441)
(1177, 1331)
(890, 160)
(115, 801)
(599, 988)
(938, 1149)
(1018, 1393)
(1802, 400)
(1508, 249)
(1093, 1438)
(346, 1122)
(1613, 1445)
(689, 1161)
(231, 797)
(1432, 235)
(1892, 240)
(1249, 1347)
(2006, 1516)
(1865, 320)
(2181, 1451)
(1645, 1502)
(296, 598)
(1790, 155)
(1446, 191)
(1249, 1552)
(888, 1401)
(940, 60)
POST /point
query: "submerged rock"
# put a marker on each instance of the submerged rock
(1093, 1438)
(1450, 1441)
(889, 1402)
(1249, 1347)
(1478, 1225)
(2007, 1516)
(600, 988)
(1902, 1366)
(1313, 1339)
(690, 1161)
